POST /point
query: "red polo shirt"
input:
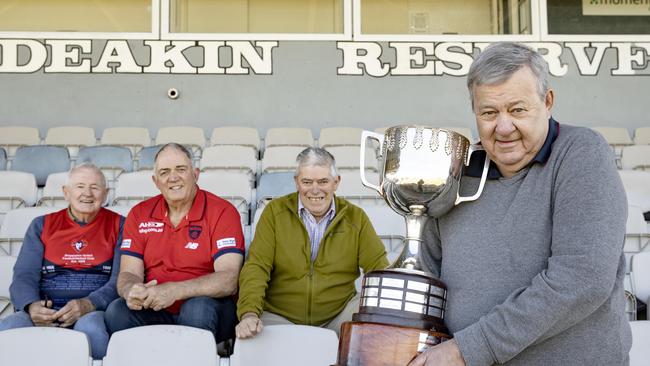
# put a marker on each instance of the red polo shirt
(173, 254)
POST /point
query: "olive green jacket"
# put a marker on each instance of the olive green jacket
(279, 276)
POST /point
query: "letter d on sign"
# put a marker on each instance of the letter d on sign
(9, 61)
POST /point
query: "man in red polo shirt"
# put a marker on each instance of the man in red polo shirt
(181, 254)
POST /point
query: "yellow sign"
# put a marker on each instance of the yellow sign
(616, 7)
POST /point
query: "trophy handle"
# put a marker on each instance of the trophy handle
(365, 135)
(486, 167)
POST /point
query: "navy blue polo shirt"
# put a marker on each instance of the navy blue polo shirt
(475, 168)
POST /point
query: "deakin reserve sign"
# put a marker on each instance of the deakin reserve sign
(244, 58)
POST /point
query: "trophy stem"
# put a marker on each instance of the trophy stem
(415, 222)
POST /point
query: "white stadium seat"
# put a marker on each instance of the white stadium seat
(637, 188)
(134, 138)
(161, 345)
(71, 137)
(13, 137)
(280, 158)
(353, 190)
(53, 191)
(231, 186)
(348, 158)
(6, 274)
(636, 157)
(192, 137)
(339, 136)
(44, 346)
(236, 135)
(230, 158)
(287, 345)
(15, 226)
(134, 187)
(18, 189)
(640, 352)
(641, 276)
(642, 136)
(288, 136)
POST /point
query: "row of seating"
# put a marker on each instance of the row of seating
(136, 138)
(170, 345)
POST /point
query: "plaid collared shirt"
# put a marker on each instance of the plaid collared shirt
(315, 229)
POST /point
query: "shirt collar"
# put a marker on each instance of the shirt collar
(304, 211)
(196, 211)
(475, 168)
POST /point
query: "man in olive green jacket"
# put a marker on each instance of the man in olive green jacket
(306, 254)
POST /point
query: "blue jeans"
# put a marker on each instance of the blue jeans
(92, 324)
(219, 316)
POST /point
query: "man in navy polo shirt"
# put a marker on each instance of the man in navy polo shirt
(181, 254)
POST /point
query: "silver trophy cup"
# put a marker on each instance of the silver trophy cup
(420, 174)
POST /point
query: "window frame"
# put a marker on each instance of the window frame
(166, 34)
(546, 37)
(534, 36)
(153, 35)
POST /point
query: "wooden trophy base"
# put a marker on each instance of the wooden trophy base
(374, 344)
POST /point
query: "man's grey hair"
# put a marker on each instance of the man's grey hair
(86, 165)
(174, 146)
(316, 156)
(499, 61)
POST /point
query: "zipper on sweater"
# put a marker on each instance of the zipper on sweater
(310, 292)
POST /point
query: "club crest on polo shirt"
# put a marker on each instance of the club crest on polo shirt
(79, 245)
(194, 231)
(150, 227)
(226, 243)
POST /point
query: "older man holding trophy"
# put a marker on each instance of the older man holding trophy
(529, 273)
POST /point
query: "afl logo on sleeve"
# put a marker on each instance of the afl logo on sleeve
(226, 243)
(126, 244)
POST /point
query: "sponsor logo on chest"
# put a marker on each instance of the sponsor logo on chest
(151, 227)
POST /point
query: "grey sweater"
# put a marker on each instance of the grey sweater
(535, 266)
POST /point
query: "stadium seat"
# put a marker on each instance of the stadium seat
(71, 137)
(230, 158)
(274, 185)
(161, 345)
(234, 135)
(637, 237)
(134, 138)
(339, 136)
(50, 346)
(53, 191)
(287, 345)
(13, 137)
(637, 188)
(354, 191)
(390, 226)
(146, 157)
(15, 226)
(280, 158)
(134, 187)
(617, 138)
(231, 186)
(288, 136)
(348, 158)
(112, 160)
(191, 137)
(641, 276)
(642, 136)
(41, 161)
(3, 159)
(640, 352)
(6, 274)
(18, 189)
(636, 157)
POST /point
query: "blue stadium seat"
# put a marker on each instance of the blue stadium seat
(41, 160)
(3, 159)
(274, 185)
